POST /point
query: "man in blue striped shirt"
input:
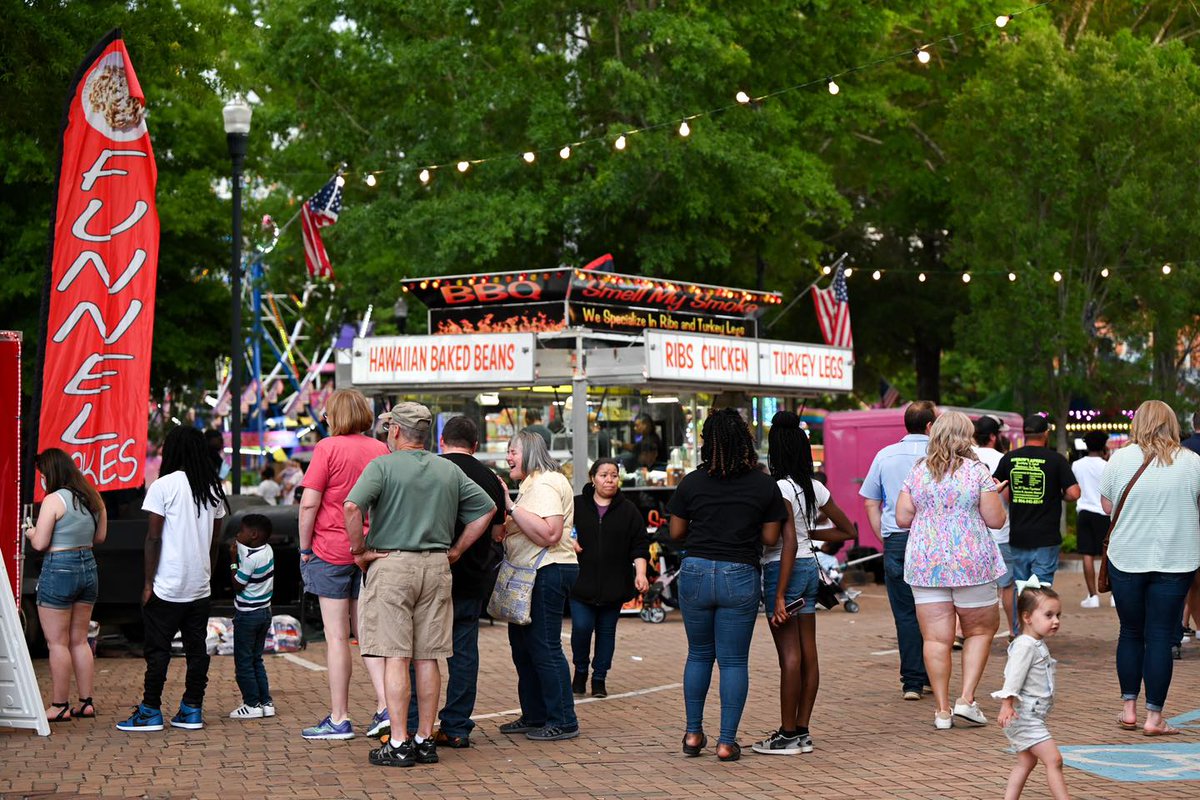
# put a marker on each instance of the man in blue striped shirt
(253, 566)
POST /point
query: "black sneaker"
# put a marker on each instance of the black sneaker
(401, 755)
(579, 684)
(778, 744)
(552, 733)
(426, 752)
(520, 725)
(443, 739)
(598, 688)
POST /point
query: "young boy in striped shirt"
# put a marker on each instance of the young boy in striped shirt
(253, 568)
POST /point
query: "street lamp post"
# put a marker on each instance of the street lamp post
(237, 132)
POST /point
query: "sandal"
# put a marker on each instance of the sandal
(86, 709)
(1126, 726)
(693, 750)
(63, 715)
(1164, 731)
(735, 752)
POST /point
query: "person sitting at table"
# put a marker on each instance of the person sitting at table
(646, 449)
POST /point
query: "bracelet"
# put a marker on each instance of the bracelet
(306, 551)
(233, 567)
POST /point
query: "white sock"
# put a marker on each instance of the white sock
(418, 738)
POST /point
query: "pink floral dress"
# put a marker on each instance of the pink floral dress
(949, 544)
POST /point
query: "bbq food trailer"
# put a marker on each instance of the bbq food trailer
(607, 364)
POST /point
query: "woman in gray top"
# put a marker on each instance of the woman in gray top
(72, 519)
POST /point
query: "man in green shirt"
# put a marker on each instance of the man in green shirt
(405, 610)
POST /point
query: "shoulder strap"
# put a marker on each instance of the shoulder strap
(1112, 522)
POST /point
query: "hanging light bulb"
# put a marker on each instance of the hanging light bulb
(370, 180)
(922, 54)
(684, 129)
(463, 166)
(1104, 272)
(341, 181)
(847, 272)
(620, 142)
(424, 176)
(826, 270)
(1166, 269)
(1002, 20)
(529, 157)
(1057, 276)
(876, 274)
(833, 87)
(966, 277)
(1012, 277)
(742, 98)
(921, 277)
(565, 153)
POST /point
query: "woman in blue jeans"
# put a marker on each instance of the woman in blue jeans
(1153, 554)
(723, 512)
(790, 573)
(543, 510)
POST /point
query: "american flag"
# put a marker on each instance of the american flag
(833, 311)
(321, 209)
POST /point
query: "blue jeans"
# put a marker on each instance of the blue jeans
(904, 611)
(249, 634)
(1040, 561)
(463, 673)
(543, 677)
(719, 600)
(586, 618)
(1149, 605)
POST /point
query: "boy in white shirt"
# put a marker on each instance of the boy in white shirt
(252, 563)
(1091, 523)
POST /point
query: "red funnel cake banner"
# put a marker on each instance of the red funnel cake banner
(99, 329)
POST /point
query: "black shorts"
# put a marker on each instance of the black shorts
(1090, 530)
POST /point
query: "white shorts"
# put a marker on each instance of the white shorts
(979, 596)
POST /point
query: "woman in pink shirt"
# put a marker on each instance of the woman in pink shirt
(325, 560)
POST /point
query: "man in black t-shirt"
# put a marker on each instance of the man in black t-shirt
(473, 576)
(1039, 480)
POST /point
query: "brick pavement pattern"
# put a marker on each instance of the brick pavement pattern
(870, 743)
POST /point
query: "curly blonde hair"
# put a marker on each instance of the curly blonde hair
(949, 444)
(1155, 429)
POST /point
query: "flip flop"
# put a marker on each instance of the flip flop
(1126, 726)
(1167, 731)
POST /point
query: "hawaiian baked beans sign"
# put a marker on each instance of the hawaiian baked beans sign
(501, 358)
(100, 314)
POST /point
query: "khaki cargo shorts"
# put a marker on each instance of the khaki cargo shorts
(405, 609)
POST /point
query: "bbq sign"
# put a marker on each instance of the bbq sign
(104, 263)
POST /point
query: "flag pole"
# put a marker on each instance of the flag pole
(283, 228)
(832, 268)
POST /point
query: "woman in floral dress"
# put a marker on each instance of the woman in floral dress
(949, 501)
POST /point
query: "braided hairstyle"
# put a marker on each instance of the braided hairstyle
(790, 458)
(728, 449)
(185, 449)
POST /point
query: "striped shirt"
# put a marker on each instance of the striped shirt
(256, 569)
(1159, 527)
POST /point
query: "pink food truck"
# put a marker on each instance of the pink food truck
(852, 438)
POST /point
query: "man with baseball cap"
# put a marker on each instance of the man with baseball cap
(405, 609)
(1039, 480)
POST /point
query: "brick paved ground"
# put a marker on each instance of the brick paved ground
(870, 744)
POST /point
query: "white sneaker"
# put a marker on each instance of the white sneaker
(969, 712)
(943, 723)
(1091, 601)
(246, 712)
(268, 708)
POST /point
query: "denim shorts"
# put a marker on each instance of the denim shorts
(803, 583)
(68, 577)
(335, 581)
(1005, 580)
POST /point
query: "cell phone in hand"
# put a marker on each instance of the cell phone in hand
(795, 605)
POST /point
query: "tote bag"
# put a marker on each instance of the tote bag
(513, 594)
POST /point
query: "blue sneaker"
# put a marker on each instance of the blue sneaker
(380, 724)
(144, 718)
(327, 729)
(189, 717)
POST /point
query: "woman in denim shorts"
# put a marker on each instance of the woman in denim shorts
(72, 519)
(326, 563)
(789, 575)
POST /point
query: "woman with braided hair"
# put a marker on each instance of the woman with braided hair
(723, 512)
(185, 506)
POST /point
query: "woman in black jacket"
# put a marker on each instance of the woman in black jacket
(613, 551)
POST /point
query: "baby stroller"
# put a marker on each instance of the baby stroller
(666, 560)
(830, 590)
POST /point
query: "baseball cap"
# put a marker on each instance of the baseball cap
(1036, 423)
(409, 415)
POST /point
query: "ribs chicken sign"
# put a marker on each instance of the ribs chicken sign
(701, 359)
(100, 323)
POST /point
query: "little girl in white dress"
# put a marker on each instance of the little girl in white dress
(1029, 680)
